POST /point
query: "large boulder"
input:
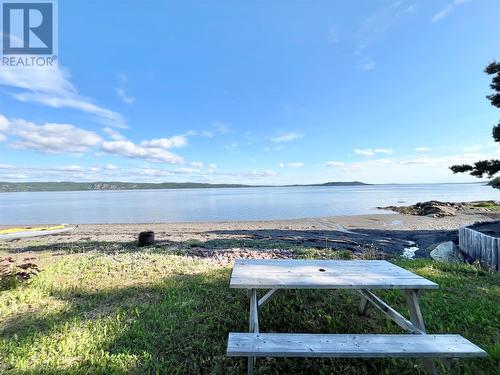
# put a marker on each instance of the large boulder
(447, 252)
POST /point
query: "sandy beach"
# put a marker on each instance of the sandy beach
(389, 233)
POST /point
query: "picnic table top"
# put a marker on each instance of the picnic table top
(324, 274)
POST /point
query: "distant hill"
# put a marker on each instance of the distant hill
(340, 183)
(82, 186)
(93, 186)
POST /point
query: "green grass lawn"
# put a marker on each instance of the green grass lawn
(156, 311)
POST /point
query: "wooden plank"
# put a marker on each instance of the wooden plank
(392, 314)
(313, 261)
(262, 271)
(253, 326)
(254, 317)
(418, 320)
(294, 263)
(363, 306)
(414, 307)
(266, 298)
(288, 282)
(312, 267)
(351, 346)
(278, 273)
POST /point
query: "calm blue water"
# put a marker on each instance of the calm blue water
(143, 206)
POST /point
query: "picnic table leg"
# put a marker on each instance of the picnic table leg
(363, 305)
(417, 319)
(253, 324)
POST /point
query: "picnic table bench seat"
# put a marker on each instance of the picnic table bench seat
(350, 345)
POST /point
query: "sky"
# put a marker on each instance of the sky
(274, 92)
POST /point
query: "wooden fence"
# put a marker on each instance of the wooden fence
(480, 247)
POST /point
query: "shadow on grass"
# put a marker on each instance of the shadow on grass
(384, 242)
(180, 325)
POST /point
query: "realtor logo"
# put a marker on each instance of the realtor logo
(29, 28)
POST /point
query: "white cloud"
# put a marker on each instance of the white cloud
(367, 165)
(110, 167)
(410, 8)
(16, 176)
(287, 137)
(151, 172)
(445, 160)
(221, 127)
(290, 165)
(106, 116)
(274, 148)
(123, 78)
(387, 151)
(372, 29)
(196, 164)
(172, 142)
(367, 152)
(4, 123)
(144, 151)
(422, 149)
(70, 168)
(366, 63)
(443, 13)
(66, 138)
(218, 127)
(124, 97)
(372, 152)
(232, 146)
(256, 173)
(54, 81)
(72, 172)
(206, 133)
(113, 134)
(52, 138)
(212, 166)
(491, 145)
(333, 36)
(52, 87)
(185, 170)
(333, 164)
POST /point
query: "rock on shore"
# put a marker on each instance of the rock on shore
(440, 209)
(430, 208)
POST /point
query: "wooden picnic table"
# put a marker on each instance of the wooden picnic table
(361, 276)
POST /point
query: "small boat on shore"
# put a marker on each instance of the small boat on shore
(24, 232)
